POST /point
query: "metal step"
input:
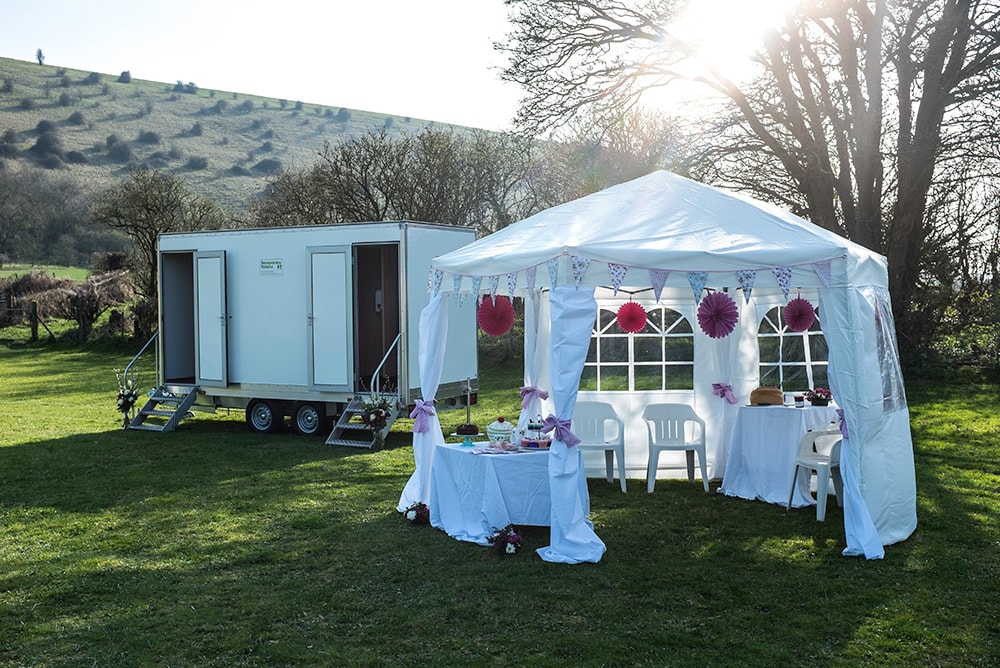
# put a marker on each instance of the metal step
(175, 402)
(344, 426)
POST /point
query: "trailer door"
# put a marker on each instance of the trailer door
(330, 319)
(210, 319)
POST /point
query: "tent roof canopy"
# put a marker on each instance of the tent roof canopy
(662, 222)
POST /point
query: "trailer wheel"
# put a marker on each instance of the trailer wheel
(262, 418)
(308, 419)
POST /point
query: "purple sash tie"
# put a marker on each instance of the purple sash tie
(421, 413)
(529, 392)
(562, 430)
(724, 390)
(843, 423)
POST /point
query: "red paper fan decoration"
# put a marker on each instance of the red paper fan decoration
(717, 315)
(631, 317)
(799, 314)
(496, 317)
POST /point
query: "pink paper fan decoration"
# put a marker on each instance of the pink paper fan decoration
(496, 318)
(631, 317)
(717, 315)
(799, 314)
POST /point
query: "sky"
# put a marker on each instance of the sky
(426, 59)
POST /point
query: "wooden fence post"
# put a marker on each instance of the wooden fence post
(34, 321)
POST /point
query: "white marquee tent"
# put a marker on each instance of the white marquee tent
(678, 239)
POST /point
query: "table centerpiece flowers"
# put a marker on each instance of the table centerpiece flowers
(506, 540)
(375, 415)
(128, 394)
(819, 396)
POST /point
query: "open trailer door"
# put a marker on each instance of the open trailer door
(330, 319)
(211, 319)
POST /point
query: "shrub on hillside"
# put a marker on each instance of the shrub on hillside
(76, 158)
(196, 130)
(120, 151)
(239, 170)
(48, 144)
(8, 151)
(65, 81)
(109, 261)
(52, 161)
(267, 166)
(92, 79)
(149, 137)
(125, 77)
(44, 126)
(76, 118)
(343, 115)
(8, 85)
(65, 99)
(8, 137)
(197, 162)
(28, 103)
(247, 106)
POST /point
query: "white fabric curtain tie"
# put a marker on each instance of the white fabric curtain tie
(724, 390)
(561, 428)
(421, 414)
(529, 392)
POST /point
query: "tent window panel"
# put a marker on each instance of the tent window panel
(592, 351)
(680, 349)
(770, 376)
(770, 350)
(614, 349)
(820, 377)
(614, 377)
(793, 349)
(588, 379)
(648, 349)
(648, 378)
(678, 377)
(794, 377)
(606, 318)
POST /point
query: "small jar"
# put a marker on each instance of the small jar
(800, 401)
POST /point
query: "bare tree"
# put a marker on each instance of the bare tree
(852, 103)
(146, 204)
(40, 57)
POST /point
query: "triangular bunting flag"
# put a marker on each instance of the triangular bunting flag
(477, 281)
(553, 266)
(457, 283)
(617, 272)
(823, 270)
(658, 278)
(580, 265)
(746, 277)
(529, 278)
(784, 277)
(697, 280)
(511, 285)
(494, 284)
(436, 283)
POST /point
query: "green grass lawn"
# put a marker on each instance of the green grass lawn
(212, 546)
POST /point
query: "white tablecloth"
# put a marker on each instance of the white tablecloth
(472, 494)
(763, 449)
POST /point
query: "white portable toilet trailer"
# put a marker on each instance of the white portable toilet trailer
(303, 322)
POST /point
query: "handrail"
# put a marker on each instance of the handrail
(376, 384)
(140, 354)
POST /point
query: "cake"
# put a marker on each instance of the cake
(499, 431)
(467, 429)
(536, 443)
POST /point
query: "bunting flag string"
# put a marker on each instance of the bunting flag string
(784, 277)
(511, 285)
(580, 265)
(529, 277)
(746, 278)
(697, 280)
(553, 266)
(617, 272)
(823, 270)
(658, 278)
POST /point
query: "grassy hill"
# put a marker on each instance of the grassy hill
(223, 143)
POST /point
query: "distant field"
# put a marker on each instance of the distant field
(11, 269)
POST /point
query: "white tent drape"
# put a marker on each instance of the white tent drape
(536, 361)
(572, 538)
(433, 338)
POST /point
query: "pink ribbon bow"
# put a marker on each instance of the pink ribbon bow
(422, 410)
(724, 390)
(562, 430)
(843, 423)
(529, 392)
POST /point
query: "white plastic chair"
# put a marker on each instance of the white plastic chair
(820, 451)
(666, 424)
(590, 424)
